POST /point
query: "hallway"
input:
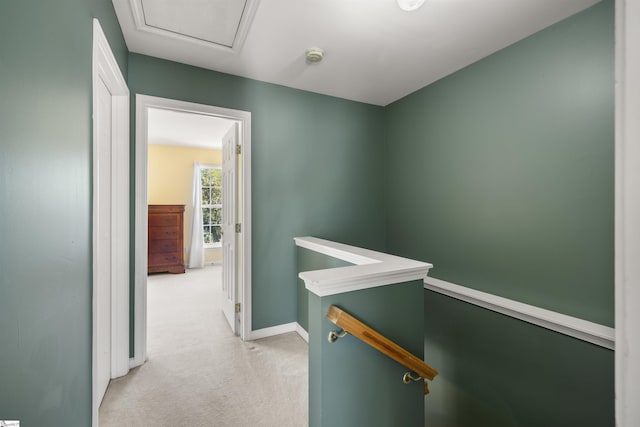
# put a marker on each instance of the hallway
(199, 374)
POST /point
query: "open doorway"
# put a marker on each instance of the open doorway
(235, 145)
(184, 168)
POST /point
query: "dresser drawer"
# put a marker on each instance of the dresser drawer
(168, 258)
(164, 246)
(164, 220)
(163, 233)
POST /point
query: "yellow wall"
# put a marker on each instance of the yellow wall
(170, 183)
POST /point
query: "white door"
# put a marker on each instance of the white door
(103, 226)
(229, 236)
(110, 215)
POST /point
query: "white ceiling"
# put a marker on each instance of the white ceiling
(194, 18)
(374, 52)
(167, 127)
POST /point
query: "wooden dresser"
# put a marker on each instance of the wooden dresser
(165, 253)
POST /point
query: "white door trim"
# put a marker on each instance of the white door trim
(627, 216)
(143, 103)
(105, 69)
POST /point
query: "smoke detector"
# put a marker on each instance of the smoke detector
(314, 54)
(410, 5)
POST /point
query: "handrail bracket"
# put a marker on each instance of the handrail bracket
(336, 335)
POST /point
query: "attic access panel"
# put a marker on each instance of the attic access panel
(217, 22)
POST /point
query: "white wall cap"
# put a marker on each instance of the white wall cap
(371, 268)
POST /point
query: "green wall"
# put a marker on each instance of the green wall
(496, 371)
(316, 163)
(503, 178)
(45, 207)
(503, 172)
(350, 383)
(308, 260)
(501, 175)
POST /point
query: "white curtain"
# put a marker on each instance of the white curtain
(196, 252)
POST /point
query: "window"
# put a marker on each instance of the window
(211, 184)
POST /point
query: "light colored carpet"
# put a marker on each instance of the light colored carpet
(199, 374)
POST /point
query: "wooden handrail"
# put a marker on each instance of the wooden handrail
(381, 343)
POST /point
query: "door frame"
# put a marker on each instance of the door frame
(243, 282)
(627, 212)
(105, 69)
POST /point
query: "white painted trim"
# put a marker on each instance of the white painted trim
(303, 334)
(143, 103)
(245, 23)
(141, 238)
(247, 252)
(272, 331)
(627, 216)
(372, 268)
(333, 251)
(120, 363)
(568, 325)
(285, 328)
(105, 68)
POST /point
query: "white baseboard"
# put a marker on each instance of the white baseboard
(585, 330)
(303, 334)
(272, 331)
(278, 330)
(134, 362)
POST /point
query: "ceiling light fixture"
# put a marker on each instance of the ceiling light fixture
(410, 5)
(315, 54)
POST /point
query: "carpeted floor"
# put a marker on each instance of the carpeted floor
(199, 374)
